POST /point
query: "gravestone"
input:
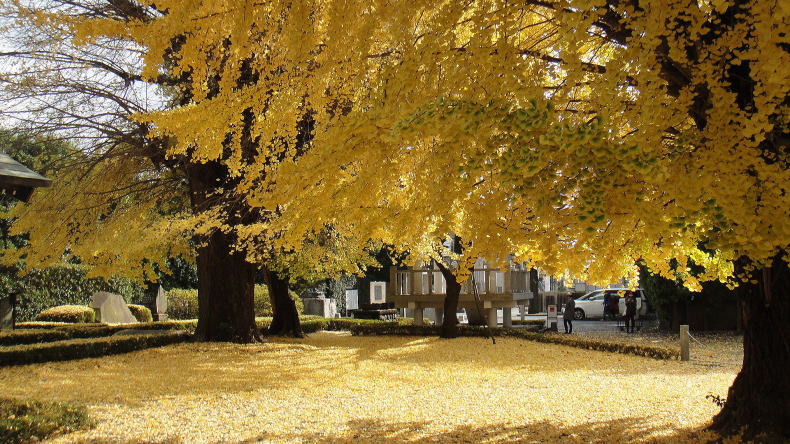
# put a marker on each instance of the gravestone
(111, 309)
(159, 305)
(6, 313)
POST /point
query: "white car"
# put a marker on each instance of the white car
(591, 304)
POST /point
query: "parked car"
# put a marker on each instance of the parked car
(591, 304)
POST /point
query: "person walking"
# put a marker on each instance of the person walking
(630, 312)
(567, 315)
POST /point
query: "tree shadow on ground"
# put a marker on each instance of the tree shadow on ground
(509, 353)
(375, 431)
(138, 377)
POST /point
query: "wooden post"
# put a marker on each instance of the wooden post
(392, 284)
(684, 342)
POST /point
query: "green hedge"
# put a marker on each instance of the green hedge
(67, 313)
(40, 324)
(534, 322)
(86, 348)
(21, 337)
(82, 331)
(399, 329)
(32, 421)
(141, 313)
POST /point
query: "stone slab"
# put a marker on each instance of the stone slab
(320, 307)
(111, 309)
(6, 313)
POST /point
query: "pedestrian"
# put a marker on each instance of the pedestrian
(567, 315)
(606, 302)
(630, 312)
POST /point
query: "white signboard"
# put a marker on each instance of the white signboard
(352, 300)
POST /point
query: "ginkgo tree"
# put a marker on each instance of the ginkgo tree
(127, 203)
(582, 136)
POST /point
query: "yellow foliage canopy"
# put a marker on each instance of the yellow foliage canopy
(579, 135)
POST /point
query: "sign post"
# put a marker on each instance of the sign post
(551, 317)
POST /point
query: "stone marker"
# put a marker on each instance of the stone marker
(159, 305)
(111, 309)
(318, 305)
(6, 313)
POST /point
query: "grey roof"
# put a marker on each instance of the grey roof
(14, 174)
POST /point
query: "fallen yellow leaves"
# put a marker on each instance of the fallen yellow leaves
(332, 387)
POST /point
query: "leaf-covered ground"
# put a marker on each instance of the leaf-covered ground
(332, 387)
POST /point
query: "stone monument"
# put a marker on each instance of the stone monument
(7, 312)
(111, 309)
(315, 303)
(158, 305)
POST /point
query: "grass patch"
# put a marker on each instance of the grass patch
(29, 421)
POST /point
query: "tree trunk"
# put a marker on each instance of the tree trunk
(450, 321)
(225, 292)
(759, 398)
(285, 321)
(226, 281)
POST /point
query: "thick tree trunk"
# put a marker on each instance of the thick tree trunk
(226, 281)
(450, 321)
(759, 398)
(285, 321)
(225, 292)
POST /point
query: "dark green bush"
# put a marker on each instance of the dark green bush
(67, 313)
(86, 348)
(30, 421)
(182, 303)
(67, 284)
(263, 304)
(141, 313)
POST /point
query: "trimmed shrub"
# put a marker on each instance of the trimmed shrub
(82, 331)
(399, 329)
(87, 348)
(67, 313)
(39, 324)
(533, 322)
(141, 313)
(21, 337)
(30, 421)
(182, 303)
